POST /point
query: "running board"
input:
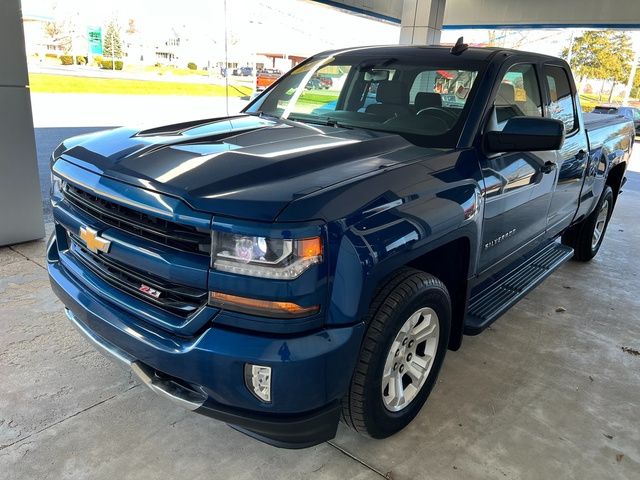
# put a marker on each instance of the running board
(502, 293)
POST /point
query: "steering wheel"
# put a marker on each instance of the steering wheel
(430, 124)
(447, 117)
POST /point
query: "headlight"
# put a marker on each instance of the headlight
(279, 258)
(56, 189)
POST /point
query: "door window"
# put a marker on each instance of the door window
(518, 94)
(561, 102)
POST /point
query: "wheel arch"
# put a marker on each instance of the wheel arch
(615, 177)
(450, 264)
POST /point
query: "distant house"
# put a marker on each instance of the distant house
(37, 41)
(169, 52)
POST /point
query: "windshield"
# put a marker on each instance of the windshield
(423, 102)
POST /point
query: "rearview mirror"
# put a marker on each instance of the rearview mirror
(526, 134)
(376, 75)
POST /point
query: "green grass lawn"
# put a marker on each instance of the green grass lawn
(588, 101)
(41, 82)
(310, 100)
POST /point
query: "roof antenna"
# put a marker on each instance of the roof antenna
(459, 47)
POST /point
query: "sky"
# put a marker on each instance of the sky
(294, 27)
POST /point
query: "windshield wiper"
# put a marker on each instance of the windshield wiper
(328, 121)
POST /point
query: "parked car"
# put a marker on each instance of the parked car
(267, 77)
(326, 82)
(314, 83)
(246, 71)
(281, 269)
(630, 113)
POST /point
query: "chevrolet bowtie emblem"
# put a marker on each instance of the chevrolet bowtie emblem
(93, 241)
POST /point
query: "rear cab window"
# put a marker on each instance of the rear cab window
(561, 104)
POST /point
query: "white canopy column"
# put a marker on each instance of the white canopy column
(20, 199)
(421, 22)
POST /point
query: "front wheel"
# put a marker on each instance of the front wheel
(586, 237)
(401, 355)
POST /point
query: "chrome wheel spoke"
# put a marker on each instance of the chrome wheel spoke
(421, 333)
(413, 320)
(421, 362)
(396, 390)
(415, 372)
(596, 234)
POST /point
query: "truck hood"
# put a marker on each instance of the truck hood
(244, 166)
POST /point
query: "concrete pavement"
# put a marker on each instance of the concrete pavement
(551, 390)
(100, 110)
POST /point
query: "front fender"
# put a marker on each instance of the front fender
(393, 234)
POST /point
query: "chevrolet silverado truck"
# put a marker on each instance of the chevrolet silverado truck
(313, 258)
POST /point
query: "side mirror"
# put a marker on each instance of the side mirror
(526, 134)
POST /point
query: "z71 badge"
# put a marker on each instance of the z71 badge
(152, 292)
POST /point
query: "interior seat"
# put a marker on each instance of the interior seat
(392, 98)
(505, 103)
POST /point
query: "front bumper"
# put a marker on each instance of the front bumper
(205, 373)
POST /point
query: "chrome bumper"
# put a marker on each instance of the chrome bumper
(167, 388)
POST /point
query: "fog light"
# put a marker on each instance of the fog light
(258, 381)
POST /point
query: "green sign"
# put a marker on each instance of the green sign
(94, 34)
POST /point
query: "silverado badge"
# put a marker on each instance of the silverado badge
(94, 241)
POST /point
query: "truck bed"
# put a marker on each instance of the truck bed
(607, 129)
(593, 121)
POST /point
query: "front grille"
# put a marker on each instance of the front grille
(182, 237)
(173, 298)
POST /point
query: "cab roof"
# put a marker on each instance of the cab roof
(433, 51)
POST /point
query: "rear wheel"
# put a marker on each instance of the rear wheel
(586, 237)
(401, 355)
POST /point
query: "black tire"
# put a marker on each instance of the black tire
(580, 236)
(363, 408)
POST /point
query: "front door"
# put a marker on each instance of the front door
(517, 191)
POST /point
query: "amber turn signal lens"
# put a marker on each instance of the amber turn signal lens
(263, 308)
(310, 247)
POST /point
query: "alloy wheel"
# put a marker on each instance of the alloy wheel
(410, 359)
(601, 223)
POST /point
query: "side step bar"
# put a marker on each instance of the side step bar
(490, 302)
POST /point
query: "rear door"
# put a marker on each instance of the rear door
(517, 192)
(572, 158)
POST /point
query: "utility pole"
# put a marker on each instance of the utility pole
(113, 50)
(634, 67)
(226, 60)
(570, 52)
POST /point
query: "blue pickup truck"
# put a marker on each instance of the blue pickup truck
(313, 258)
